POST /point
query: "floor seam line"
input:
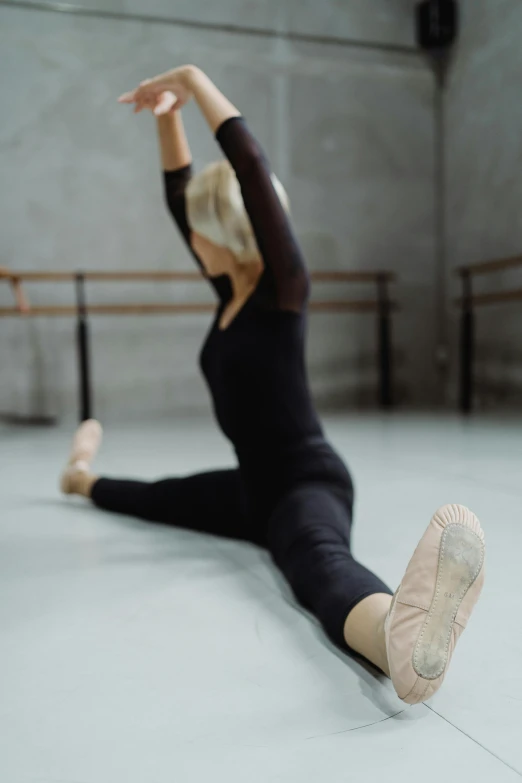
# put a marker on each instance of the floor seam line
(491, 753)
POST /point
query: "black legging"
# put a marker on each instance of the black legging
(308, 533)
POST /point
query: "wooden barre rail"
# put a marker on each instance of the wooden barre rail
(381, 305)
(359, 306)
(158, 276)
(496, 297)
(468, 301)
(487, 267)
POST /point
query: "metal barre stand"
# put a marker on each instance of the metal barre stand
(467, 343)
(384, 346)
(384, 343)
(382, 306)
(82, 342)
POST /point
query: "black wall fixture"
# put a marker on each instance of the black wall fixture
(437, 25)
(437, 28)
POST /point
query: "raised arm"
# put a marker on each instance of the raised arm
(176, 158)
(174, 148)
(274, 235)
(214, 106)
(272, 228)
(176, 162)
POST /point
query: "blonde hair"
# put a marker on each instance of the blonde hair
(216, 211)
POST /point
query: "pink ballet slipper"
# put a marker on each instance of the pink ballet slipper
(433, 603)
(86, 443)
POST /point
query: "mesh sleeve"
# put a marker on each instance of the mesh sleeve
(175, 183)
(272, 229)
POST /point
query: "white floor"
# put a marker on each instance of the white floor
(135, 654)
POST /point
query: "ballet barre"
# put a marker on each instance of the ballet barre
(380, 305)
(468, 302)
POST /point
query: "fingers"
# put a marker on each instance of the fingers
(143, 103)
(127, 97)
(155, 86)
(135, 96)
(140, 98)
(150, 96)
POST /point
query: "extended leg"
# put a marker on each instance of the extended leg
(310, 537)
(410, 637)
(212, 502)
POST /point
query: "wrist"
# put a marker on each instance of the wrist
(167, 120)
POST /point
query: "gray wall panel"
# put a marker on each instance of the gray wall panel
(349, 133)
(484, 153)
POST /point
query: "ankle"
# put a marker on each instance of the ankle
(78, 482)
(364, 629)
(381, 645)
(85, 484)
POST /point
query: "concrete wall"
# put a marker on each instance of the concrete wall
(348, 129)
(379, 22)
(484, 187)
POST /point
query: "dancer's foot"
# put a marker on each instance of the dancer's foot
(434, 601)
(77, 478)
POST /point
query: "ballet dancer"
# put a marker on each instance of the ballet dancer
(290, 491)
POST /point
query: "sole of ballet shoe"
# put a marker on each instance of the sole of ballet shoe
(431, 608)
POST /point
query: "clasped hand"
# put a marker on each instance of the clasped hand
(162, 94)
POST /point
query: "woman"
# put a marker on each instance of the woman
(290, 492)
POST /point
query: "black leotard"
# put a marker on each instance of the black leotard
(255, 369)
(292, 492)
